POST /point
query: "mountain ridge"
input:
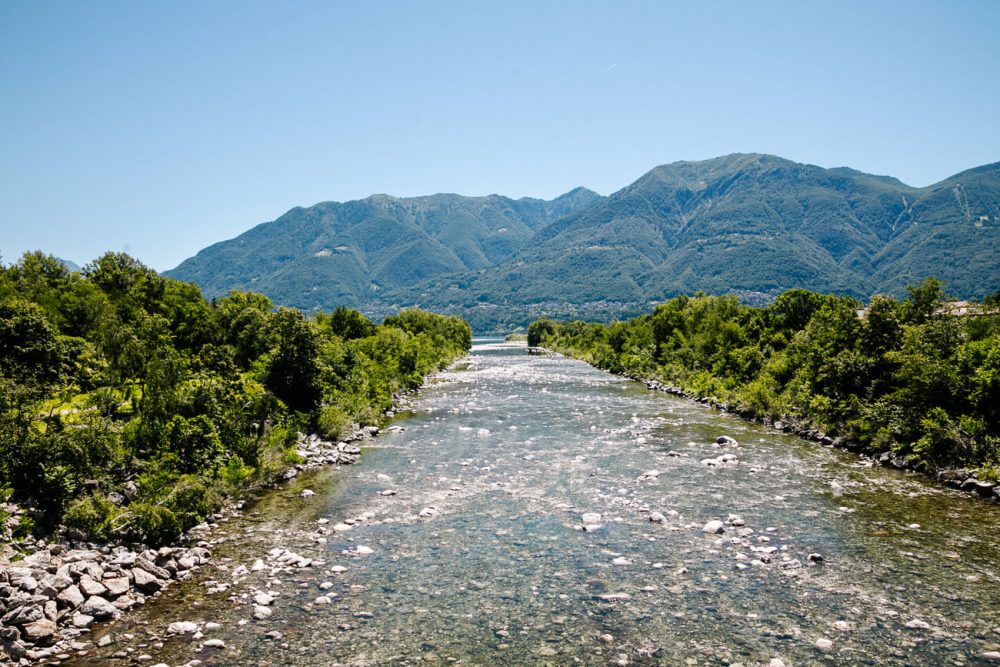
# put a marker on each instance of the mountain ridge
(749, 223)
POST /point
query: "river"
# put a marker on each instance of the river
(503, 456)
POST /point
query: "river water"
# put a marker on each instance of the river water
(503, 456)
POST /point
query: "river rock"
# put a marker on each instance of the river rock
(657, 517)
(307, 493)
(322, 600)
(917, 624)
(98, 607)
(428, 512)
(39, 631)
(28, 584)
(23, 615)
(146, 581)
(824, 644)
(727, 441)
(714, 527)
(154, 569)
(53, 584)
(362, 550)
(70, 597)
(214, 643)
(590, 517)
(90, 586)
(182, 628)
(263, 599)
(82, 620)
(261, 613)
(989, 656)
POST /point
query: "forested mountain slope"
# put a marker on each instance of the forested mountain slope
(754, 225)
(750, 224)
(347, 253)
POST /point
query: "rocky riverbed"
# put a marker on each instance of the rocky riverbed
(53, 591)
(534, 511)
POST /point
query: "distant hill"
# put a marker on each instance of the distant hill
(350, 253)
(751, 224)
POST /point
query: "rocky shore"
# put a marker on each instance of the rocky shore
(52, 591)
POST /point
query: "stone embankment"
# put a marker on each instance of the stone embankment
(53, 591)
(956, 478)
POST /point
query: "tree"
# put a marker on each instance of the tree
(347, 323)
(294, 372)
(925, 299)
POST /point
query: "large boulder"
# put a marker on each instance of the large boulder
(98, 607)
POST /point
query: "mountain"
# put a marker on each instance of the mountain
(751, 224)
(348, 253)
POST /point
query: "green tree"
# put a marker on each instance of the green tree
(294, 372)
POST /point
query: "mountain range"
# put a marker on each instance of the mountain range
(755, 225)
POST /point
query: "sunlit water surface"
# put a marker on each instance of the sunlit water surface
(509, 451)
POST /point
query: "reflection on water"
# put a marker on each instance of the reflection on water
(474, 511)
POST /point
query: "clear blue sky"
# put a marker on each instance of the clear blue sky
(160, 128)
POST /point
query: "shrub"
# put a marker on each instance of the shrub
(91, 514)
(148, 523)
(333, 423)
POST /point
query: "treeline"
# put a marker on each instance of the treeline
(908, 377)
(131, 407)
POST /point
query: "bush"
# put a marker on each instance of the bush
(91, 514)
(333, 423)
(148, 523)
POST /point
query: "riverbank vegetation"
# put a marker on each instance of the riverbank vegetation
(131, 407)
(914, 377)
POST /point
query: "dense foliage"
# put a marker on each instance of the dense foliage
(130, 406)
(903, 376)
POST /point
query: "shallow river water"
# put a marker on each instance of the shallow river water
(503, 456)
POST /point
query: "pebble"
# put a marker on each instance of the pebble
(182, 628)
(307, 493)
(917, 624)
(714, 527)
(322, 600)
(362, 550)
(214, 643)
(824, 644)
